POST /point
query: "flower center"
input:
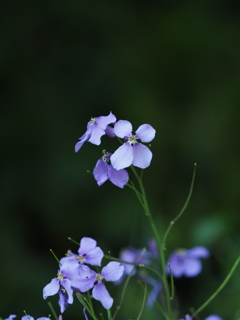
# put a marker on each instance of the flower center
(105, 157)
(60, 276)
(98, 277)
(80, 259)
(132, 140)
(92, 120)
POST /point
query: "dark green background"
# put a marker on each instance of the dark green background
(172, 64)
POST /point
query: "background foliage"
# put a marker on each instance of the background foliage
(172, 64)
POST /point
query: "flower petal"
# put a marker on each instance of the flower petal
(122, 157)
(198, 252)
(142, 156)
(51, 288)
(66, 283)
(145, 133)
(192, 267)
(86, 244)
(94, 257)
(100, 172)
(103, 121)
(101, 294)
(112, 271)
(213, 317)
(83, 284)
(27, 317)
(123, 128)
(96, 135)
(118, 177)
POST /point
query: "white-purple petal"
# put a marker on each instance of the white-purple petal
(142, 156)
(63, 301)
(86, 244)
(96, 135)
(112, 271)
(123, 128)
(118, 177)
(51, 288)
(103, 121)
(94, 257)
(145, 133)
(100, 172)
(84, 284)
(122, 157)
(101, 294)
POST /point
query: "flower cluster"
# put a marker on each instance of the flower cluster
(74, 275)
(112, 165)
(27, 317)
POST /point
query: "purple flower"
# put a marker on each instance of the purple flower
(156, 288)
(185, 262)
(187, 318)
(111, 272)
(31, 318)
(104, 171)
(132, 152)
(59, 283)
(88, 252)
(213, 317)
(96, 128)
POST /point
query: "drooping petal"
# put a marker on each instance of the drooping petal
(122, 157)
(110, 132)
(86, 244)
(103, 121)
(85, 313)
(123, 128)
(96, 135)
(101, 294)
(198, 252)
(94, 257)
(83, 284)
(145, 133)
(66, 283)
(192, 267)
(118, 177)
(112, 271)
(100, 172)
(51, 288)
(79, 144)
(142, 156)
(63, 300)
(154, 292)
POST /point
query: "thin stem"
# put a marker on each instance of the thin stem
(219, 289)
(183, 208)
(53, 311)
(148, 214)
(144, 296)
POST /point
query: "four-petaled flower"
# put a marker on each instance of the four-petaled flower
(111, 272)
(96, 128)
(132, 152)
(185, 262)
(104, 171)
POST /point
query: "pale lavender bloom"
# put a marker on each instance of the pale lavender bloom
(185, 262)
(31, 318)
(96, 128)
(104, 171)
(111, 272)
(88, 253)
(156, 288)
(213, 317)
(132, 152)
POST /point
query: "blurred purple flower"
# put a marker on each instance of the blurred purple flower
(185, 262)
(213, 317)
(11, 317)
(132, 152)
(104, 171)
(111, 272)
(96, 128)
(187, 317)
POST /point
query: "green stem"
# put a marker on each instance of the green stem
(148, 214)
(219, 289)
